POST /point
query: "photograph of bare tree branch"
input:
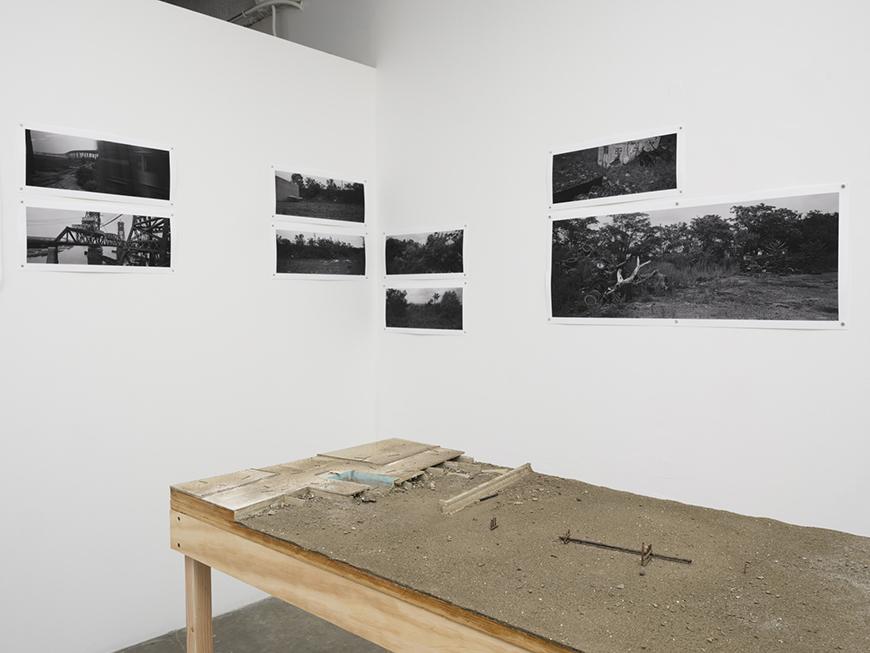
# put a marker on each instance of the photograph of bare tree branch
(437, 252)
(424, 308)
(775, 259)
(632, 167)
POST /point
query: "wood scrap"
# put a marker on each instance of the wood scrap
(460, 501)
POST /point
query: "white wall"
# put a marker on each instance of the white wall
(471, 97)
(113, 387)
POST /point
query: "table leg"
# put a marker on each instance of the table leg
(197, 588)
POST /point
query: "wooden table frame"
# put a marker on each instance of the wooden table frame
(384, 612)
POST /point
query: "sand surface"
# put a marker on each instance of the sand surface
(754, 584)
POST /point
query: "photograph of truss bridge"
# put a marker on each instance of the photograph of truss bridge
(65, 237)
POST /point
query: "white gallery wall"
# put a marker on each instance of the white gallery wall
(114, 386)
(472, 96)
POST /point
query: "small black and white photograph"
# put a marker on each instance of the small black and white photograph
(303, 252)
(437, 252)
(326, 198)
(424, 308)
(61, 161)
(632, 167)
(776, 259)
(65, 237)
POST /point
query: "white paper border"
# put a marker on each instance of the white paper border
(621, 199)
(31, 193)
(424, 283)
(80, 206)
(843, 285)
(450, 276)
(317, 229)
(326, 222)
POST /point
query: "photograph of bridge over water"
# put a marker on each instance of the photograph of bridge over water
(91, 238)
(310, 196)
(302, 252)
(61, 161)
(771, 259)
(632, 167)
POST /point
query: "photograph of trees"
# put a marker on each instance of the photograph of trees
(438, 252)
(424, 308)
(310, 196)
(769, 260)
(318, 253)
(640, 166)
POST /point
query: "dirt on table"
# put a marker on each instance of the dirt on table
(754, 585)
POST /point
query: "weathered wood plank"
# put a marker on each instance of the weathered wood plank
(337, 487)
(416, 464)
(207, 486)
(475, 494)
(313, 464)
(381, 452)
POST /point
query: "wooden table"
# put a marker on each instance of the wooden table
(204, 528)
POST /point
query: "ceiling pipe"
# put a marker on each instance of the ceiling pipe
(261, 9)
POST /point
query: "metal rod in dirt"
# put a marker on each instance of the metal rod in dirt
(622, 549)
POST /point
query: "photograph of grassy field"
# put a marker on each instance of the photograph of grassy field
(300, 252)
(775, 259)
(310, 196)
(424, 308)
(627, 168)
(437, 252)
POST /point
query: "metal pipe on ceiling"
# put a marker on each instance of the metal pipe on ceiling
(261, 10)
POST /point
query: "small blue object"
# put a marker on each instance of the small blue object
(366, 478)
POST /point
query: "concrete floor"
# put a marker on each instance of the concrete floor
(269, 626)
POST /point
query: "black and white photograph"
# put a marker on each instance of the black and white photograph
(303, 252)
(65, 237)
(615, 170)
(311, 196)
(424, 308)
(437, 252)
(75, 163)
(772, 259)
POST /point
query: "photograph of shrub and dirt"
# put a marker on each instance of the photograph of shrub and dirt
(775, 259)
(645, 165)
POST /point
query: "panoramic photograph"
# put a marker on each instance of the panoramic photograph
(75, 163)
(438, 252)
(775, 259)
(424, 308)
(302, 252)
(310, 196)
(627, 168)
(63, 237)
